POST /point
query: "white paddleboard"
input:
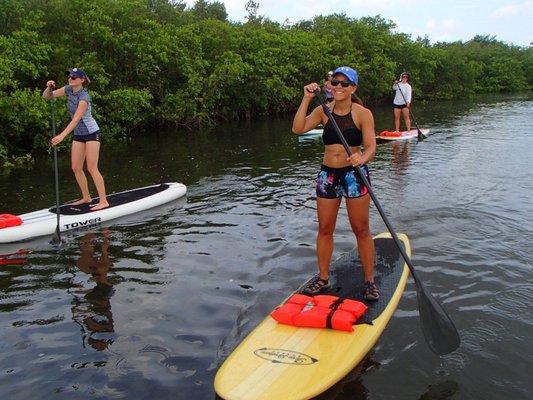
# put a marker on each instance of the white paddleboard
(43, 222)
(404, 135)
(312, 133)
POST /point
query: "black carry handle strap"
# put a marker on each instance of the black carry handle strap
(333, 306)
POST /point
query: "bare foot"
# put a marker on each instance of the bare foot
(80, 202)
(99, 206)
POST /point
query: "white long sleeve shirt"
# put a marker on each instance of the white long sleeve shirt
(407, 92)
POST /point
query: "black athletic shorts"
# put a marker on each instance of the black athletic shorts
(92, 137)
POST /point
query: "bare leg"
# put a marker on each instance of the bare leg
(327, 210)
(397, 119)
(93, 152)
(77, 157)
(359, 220)
(406, 118)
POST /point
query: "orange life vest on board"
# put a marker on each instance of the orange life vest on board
(322, 311)
(8, 220)
(390, 134)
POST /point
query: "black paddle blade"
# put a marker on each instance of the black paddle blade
(420, 136)
(438, 329)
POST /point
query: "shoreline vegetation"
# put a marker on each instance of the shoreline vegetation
(157, 63)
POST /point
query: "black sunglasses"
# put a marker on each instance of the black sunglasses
(335, 82)
(73, 77)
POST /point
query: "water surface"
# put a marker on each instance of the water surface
(150, 305)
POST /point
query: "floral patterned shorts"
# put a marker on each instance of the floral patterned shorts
(332, 183)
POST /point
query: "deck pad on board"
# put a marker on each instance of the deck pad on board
(347, 278)
(114, 200)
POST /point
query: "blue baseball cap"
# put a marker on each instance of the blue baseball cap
(349, 73)
(77, 72)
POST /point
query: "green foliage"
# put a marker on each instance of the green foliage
(209, 10)
(23, 57)
(3, 153)
(25, 121)
(8, 163)
(124, 110)
(158, 63)
(223, 88)
(482, 64)
(252, 8)
(526, 59)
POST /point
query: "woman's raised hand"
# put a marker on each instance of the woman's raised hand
(309, 90)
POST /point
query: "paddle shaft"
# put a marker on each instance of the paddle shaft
(56, 237)
(410, 112)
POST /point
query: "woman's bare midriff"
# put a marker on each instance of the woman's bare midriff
(335, 155)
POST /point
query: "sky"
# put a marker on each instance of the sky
(510, 21)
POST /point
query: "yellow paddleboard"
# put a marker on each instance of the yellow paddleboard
(283, 362)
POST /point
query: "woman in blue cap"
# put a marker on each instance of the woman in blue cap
(86, 140)
(337, 177)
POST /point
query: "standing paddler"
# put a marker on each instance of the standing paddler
(86, 140)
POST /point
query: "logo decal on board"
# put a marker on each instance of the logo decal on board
(87, 222)
(285, 356)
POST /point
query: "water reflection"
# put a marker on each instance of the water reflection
(400, 156)
(440, 391)
(91, 308)
(18, 258)
(351, 386)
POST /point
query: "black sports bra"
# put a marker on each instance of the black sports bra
(352, 134)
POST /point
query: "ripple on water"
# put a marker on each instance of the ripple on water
(191, 280)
